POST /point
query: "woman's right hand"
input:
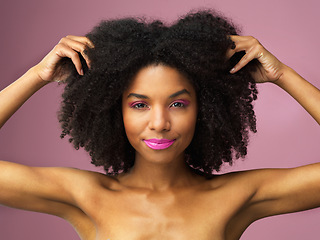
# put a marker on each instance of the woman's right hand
(48, 70)
(69, 47)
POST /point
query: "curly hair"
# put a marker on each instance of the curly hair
(196, 46)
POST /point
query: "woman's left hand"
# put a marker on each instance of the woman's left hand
(269, 69)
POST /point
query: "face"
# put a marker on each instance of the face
(159, 113)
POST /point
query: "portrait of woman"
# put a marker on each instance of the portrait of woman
(160, 112)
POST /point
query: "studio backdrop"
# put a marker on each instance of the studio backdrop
(287, 136)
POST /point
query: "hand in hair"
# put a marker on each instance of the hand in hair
(269, 68)
(50, 68)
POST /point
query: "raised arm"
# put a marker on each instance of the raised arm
(13, 96)
(278, 191)
(304, 92)
(272, 70)
(41, 189)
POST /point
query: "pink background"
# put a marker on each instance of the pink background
(287, 136)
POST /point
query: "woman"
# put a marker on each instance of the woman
(160, 109)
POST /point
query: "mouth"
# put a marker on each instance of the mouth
(158, 144)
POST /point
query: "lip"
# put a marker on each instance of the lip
(158, 144)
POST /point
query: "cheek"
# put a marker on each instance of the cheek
(132, 126)
(129, 124)
(186, 125)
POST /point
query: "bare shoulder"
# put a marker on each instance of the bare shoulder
(83, 183)
(53, 190)
(267, 192)
(84, 187)
(237, 178)
(84, 176)
(243, 185)
(35, 188)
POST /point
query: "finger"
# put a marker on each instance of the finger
(63, 50)
(238, 38)
(241, 43)
(250, 45)
(251, 54)
(82, 39)
(79, 44)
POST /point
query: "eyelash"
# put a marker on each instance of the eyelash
(135, 105)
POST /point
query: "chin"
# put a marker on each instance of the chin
(160, 156)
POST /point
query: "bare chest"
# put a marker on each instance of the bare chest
(152, 216)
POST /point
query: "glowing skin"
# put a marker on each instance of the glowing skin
(159, 113)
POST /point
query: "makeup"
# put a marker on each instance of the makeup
(138, 104)
(180, 103)
(158, 144)
(143, 105)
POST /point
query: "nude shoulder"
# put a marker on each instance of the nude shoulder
(241, 175)
(86, 177)
(242, 180)
(71, 185)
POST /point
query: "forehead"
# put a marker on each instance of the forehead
(157, 80)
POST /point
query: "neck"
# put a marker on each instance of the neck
(159, 176)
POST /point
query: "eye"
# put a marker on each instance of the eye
(177, 104)
(138, 105)
(180, 104)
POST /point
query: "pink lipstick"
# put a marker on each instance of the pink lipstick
(158, 144)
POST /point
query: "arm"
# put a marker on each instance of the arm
(287, 190)
(272, 70)
(272, 192)
(13, 96)
(54, 191)
(304, 92)
(33, 188)
(38, 189)
(278, 191)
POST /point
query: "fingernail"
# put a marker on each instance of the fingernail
(81, 71)
(232, 70)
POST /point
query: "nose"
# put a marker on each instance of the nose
(159, 119)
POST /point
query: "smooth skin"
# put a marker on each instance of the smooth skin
(159, 198)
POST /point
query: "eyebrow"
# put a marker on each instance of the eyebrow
(183, 91)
